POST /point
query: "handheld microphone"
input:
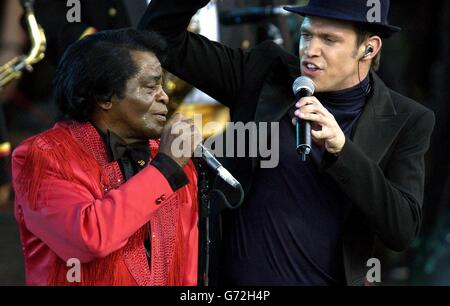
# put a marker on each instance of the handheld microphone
(214, 164)
(303, 87)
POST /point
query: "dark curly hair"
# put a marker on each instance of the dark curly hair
(98, 67)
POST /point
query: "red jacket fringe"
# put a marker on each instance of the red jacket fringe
(72, 203)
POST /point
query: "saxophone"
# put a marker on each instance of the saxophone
(13, 69)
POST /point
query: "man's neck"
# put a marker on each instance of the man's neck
(104, 127)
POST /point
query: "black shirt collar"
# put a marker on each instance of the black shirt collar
(117, 148)
(134, 157)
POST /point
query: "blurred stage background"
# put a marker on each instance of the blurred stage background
(416, 63)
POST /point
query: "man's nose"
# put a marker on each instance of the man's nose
(312, 48)
(162, 96)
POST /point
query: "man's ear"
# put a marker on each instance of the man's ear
(373, 44)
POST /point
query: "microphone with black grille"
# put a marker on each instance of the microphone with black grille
(303, 87)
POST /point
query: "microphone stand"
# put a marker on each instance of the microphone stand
(205, 192)
(205, 208)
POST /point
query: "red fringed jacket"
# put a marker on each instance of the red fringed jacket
(71, 203)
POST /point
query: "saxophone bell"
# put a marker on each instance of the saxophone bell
(13, 69)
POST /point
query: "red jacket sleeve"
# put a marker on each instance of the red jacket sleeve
(76, 221)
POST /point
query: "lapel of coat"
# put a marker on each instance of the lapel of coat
(379, 124)
(276, 95)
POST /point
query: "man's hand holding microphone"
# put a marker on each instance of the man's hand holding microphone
(313, 120)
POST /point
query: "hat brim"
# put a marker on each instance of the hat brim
(381, 29)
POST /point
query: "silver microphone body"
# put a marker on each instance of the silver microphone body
(214, 164)
(303, 87)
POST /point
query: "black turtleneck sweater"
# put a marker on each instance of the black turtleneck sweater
(288, 232)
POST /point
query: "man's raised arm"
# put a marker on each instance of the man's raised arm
(211, 67)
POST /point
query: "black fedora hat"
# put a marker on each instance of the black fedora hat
(358, 11)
